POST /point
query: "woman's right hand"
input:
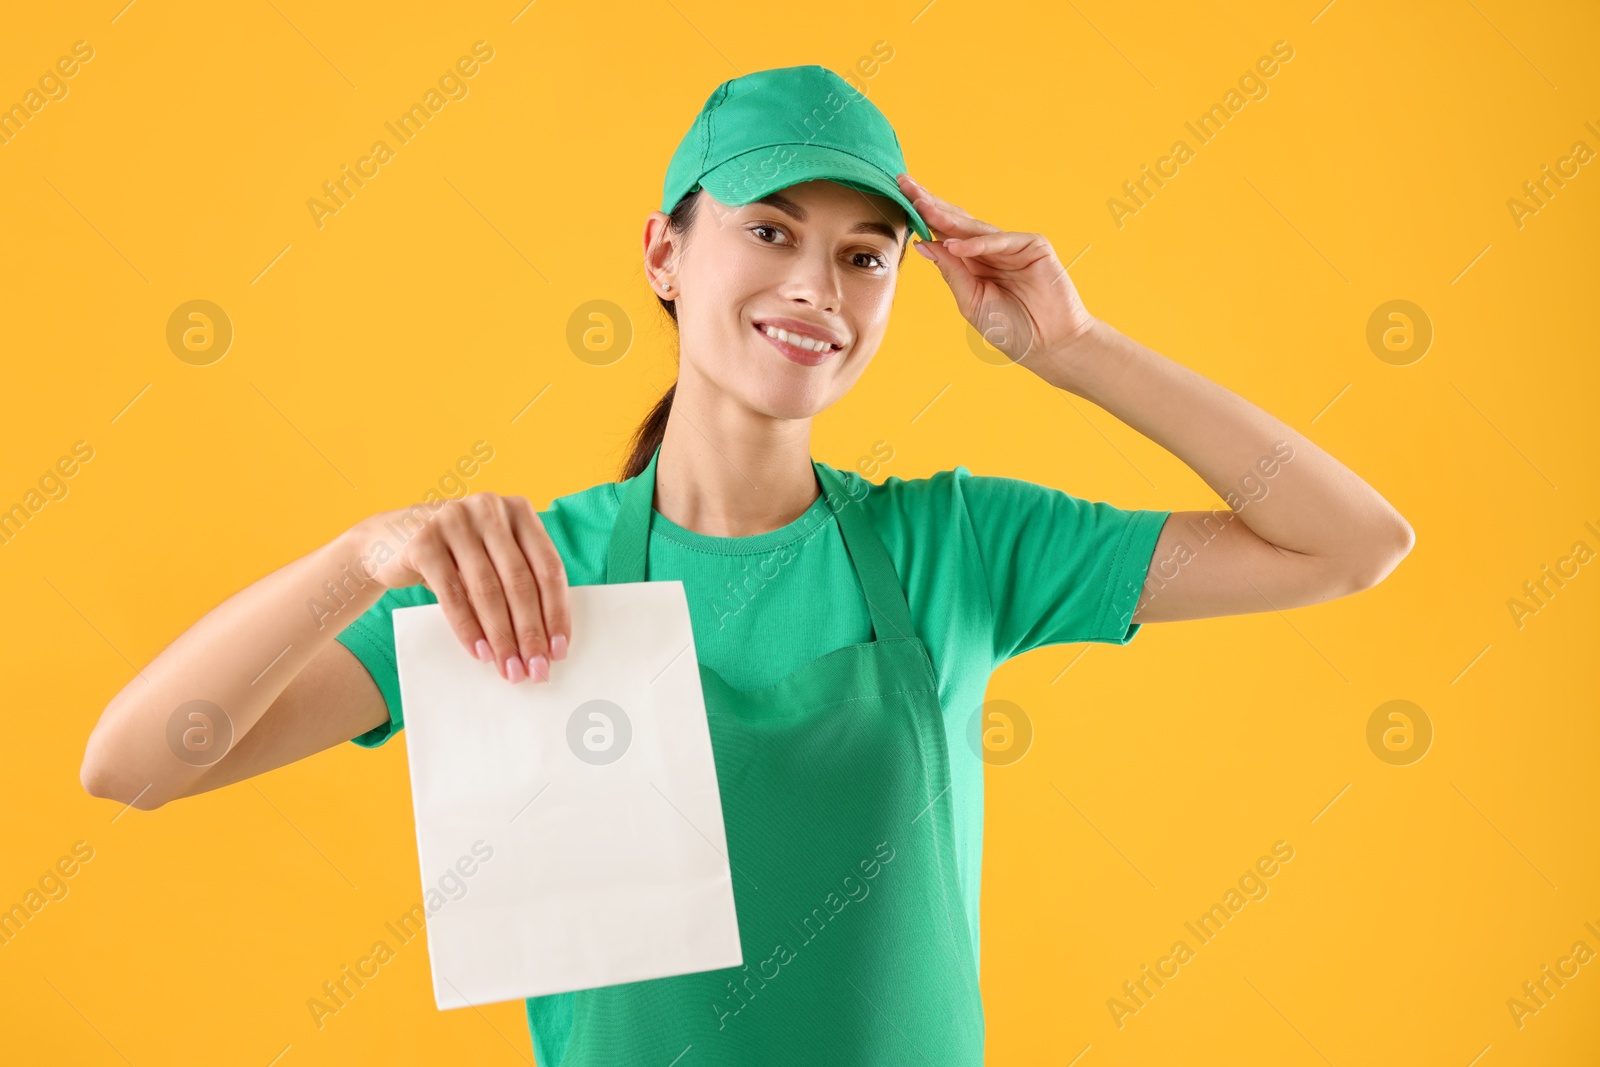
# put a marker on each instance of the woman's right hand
(495, 572)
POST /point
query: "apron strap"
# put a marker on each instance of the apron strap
(886, 600)
(625, 561)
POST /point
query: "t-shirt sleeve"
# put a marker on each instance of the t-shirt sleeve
(371, 638)
(1059, 569)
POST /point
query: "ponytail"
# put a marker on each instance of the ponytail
(647, 438)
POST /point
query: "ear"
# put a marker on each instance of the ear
(660, 251)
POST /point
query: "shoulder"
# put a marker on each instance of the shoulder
(981, 498)
(989, 515)
(937, 497)
(912, 516)
(892, 487)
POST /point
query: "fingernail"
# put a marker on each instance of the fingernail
(484, 652)
(539, 669)
(558, 646)
(514, 671)
(924, 250)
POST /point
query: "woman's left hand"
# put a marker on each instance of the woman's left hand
(1009, 286)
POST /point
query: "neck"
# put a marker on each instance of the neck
(735, 476)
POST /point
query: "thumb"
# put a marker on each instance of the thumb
(954, 271)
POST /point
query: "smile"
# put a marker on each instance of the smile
(807, 351)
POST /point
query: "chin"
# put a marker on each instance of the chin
(792, 402)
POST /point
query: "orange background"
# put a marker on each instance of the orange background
(370, 353)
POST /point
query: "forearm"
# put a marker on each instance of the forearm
(152, 743)
(1311, 504)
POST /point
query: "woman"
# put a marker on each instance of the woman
(845, 629)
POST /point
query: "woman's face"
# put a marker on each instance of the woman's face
(818, 259)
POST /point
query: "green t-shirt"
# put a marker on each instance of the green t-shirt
(992, 567)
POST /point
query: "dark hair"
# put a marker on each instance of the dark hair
(647, 438)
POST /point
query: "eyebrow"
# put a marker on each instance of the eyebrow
(798, 213)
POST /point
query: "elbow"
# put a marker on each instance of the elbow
(92, 774)
(1381, 562)
(89, 776)
(101, 780)
(97, 781)
(103, 785)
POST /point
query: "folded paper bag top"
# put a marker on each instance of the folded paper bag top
(595, 794)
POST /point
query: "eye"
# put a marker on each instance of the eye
(877, 264)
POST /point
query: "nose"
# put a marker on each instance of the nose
(815, 282)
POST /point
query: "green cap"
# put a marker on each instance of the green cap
(775, 128)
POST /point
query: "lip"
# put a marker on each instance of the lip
(794, 353)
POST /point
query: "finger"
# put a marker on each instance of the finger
(942, 216)
(915, 191)
(1002, 245)
(432, 560)
(551, 572)
(488, 598)
(914, 188)
(944, 222)
(955, 273)
(521, 588)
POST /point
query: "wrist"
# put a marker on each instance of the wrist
(363, 548)
(1073, 365)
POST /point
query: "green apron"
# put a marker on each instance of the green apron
(835, 788)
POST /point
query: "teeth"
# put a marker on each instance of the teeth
(796, 340)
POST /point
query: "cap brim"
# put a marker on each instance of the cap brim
(749, 177)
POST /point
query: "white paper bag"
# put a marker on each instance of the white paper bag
(570, 832)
